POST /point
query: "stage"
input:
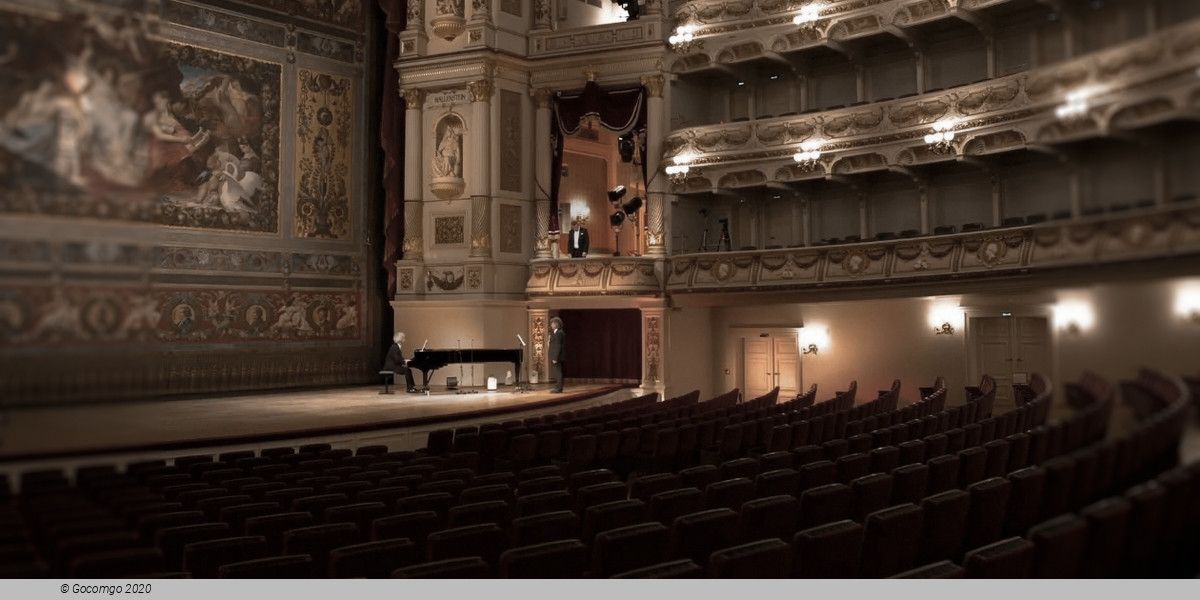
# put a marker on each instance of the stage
(344, 417)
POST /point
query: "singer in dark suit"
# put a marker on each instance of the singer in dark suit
(577, 241)
(558, 353)
(396, 363)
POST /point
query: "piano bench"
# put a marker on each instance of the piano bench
(388, 377)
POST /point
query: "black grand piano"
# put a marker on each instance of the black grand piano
(429, 360)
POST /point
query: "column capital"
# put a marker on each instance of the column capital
(414, 99)
(481, 91)
(541, 97)
(654, 85)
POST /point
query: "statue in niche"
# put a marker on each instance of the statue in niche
(447, 182)
(447, 160)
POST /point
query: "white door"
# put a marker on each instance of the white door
(1009, 349)
(771, 360)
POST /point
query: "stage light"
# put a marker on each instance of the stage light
(625, 147)
(616, 219)
(632, 206)
(615, 194)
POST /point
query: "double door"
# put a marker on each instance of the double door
(1009, 349)
(770, 360)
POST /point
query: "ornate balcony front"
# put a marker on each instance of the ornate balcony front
(606, 276)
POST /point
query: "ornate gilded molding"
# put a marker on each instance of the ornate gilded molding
(414, 99)
(481, 91)
(654, 85)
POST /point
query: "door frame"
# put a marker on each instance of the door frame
(1045, 311)
(737, 345)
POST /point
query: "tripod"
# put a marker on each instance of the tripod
(704, 236)
(723, 242)
(521, 388)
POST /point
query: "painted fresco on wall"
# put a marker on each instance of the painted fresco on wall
(98, 120)
(343, 13)
(76, 315)
(325, 138)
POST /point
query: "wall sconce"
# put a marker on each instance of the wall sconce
(812, 339)
(1077, 105)
(941, 140)
(1187, 303)
(942, 317)
(683, 40)
(809, 155)
(1073, 317)
(679, 170)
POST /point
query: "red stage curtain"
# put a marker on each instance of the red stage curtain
(603, 344)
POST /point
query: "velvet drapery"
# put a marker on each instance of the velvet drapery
(616, 110)
(603, 344)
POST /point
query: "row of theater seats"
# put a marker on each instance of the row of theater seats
(834, 500)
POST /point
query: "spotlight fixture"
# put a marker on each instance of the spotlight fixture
(615, 194)
(632, 206)
(625, 147)
(616, 219)
(808, 16)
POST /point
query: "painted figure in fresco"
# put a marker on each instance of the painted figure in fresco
(168, 143)
(142, 317)
(447, 159)
(349, 318)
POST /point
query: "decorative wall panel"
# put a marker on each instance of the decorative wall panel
(325, 135)
(118, 126)
(510, 228)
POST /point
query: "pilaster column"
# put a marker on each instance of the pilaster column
(413, 174)
(416, 16)
(479, 185)
(542, 163)
(541, 15)
(656, 130)
(535, 354)
(481, 11)
(653, 342)
(652, 7)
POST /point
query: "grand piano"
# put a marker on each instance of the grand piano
(430, 360)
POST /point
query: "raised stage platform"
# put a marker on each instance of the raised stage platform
(75, 436)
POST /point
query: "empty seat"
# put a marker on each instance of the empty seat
(271, 567)
(548, 560)
(730, 493)
(374, 560)
(943, 569)
(830, 551)
(890, 541)
(626, 548)
(486, 540)
(203, 559)
(824, 504)
(761, 559)
(1058, 546)
(674, 569)
(769, 516)
(1010, 558)
(611, 515)
(318, 541)
(666, 506)
(415, 526)
(695, 536)
(468, 567)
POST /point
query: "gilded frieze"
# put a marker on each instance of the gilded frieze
(325, 140)
(852, 124)
(224, 23)
(446, 279)
(449, 230)
(218, 259)
(98, 315)
(918, 113)
(653, 344)
(341, 13)
(993, 97)
(792, 132)
(326, 47)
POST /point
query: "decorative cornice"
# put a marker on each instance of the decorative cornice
(414, 99)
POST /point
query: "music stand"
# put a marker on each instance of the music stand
(520, 387)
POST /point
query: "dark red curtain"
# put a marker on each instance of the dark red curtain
(391, 139)
(618, 110)
(603, 343)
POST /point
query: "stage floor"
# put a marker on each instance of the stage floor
(346, 417)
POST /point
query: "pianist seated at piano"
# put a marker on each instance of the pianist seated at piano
(396, 363)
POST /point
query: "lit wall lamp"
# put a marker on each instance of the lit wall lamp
(812, 339)
(1078, 103)
(1073, 317)
(809, 154)
(808, 16)
(678, 170)
(1187, 304)
(942, 318)
(941, 140)
(684, 39)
